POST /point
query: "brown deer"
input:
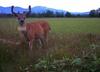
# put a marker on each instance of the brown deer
(37, 30)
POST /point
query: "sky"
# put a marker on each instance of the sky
(68, 5)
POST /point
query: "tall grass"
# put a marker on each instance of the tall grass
(70, 37)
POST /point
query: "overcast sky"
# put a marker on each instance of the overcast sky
(68, 5)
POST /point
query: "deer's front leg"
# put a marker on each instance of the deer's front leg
(31, 44)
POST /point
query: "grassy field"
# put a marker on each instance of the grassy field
(58, 25)
(71, 37)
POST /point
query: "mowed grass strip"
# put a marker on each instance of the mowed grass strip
(76, 25)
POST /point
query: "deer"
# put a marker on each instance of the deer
(29, 32)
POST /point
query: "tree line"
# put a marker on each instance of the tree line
(95, 13)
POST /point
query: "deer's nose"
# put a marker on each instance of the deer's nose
(22, 21)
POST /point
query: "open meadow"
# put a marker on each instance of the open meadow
(72, 42)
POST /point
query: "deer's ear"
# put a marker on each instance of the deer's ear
(15, 15)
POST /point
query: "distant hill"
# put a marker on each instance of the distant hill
(7, 10)
(37, 9)
(80, 13)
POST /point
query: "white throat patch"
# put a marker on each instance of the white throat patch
(22, 28)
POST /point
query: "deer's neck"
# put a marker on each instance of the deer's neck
(22, 27)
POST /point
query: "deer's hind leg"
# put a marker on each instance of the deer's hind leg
(43, 42)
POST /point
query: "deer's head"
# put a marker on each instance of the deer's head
(21, 16)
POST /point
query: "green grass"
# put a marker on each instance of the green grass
(76, 25)
(69, 37)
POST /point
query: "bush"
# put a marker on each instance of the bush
(85, 64)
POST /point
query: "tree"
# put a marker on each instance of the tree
(68, 14)
(49, 13)
(59, 14)
(92, 13)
